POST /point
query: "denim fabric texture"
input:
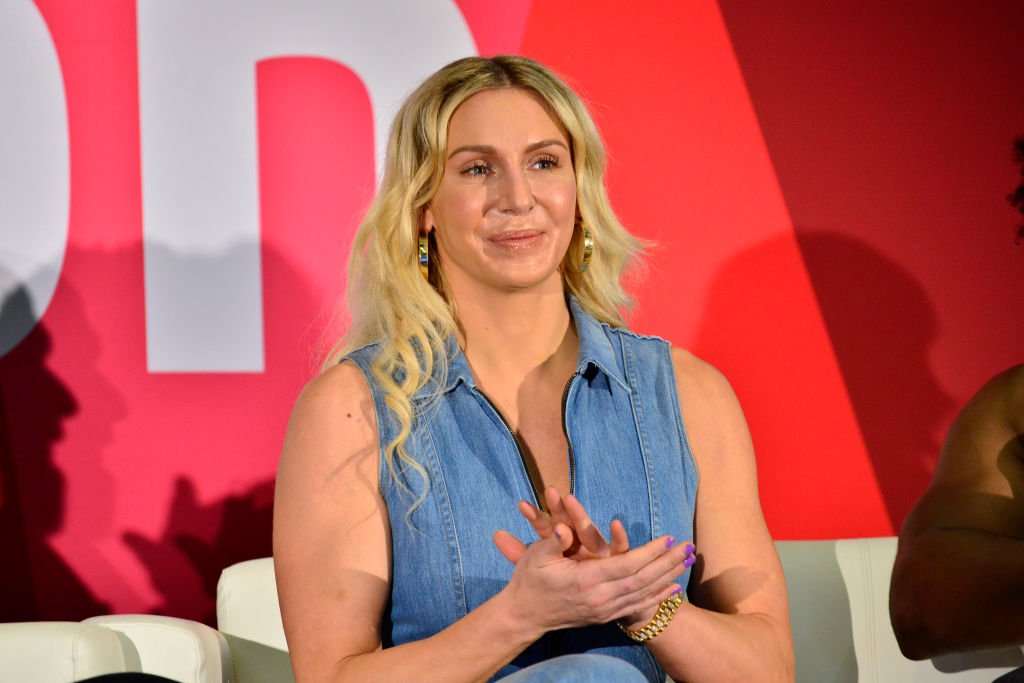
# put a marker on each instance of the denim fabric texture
(630, 461)
(586, 668)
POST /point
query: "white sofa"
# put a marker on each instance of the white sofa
(65, 651)
(838, 594)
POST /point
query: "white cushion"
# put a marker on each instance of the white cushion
(58, 652)
(249, 616)
(247, 604)
(179, 649)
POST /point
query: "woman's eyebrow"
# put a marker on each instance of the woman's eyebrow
(546, 143)
(481, 149)
(489, 149)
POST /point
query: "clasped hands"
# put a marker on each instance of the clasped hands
(572, 576)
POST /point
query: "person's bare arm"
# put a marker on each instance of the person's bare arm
(331, 554)
(736, 627)
(958, 580)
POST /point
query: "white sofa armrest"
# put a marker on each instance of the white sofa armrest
(178, 649)
(58, 651)
(249, 616)
(247, 604)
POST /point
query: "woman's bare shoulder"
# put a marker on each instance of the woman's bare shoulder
(338, 389)
(699, 380)
(331, 442)
(334, 407)
(714, 421)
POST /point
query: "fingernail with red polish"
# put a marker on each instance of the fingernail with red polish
(669, 542)
(690, 550)
(690, 559)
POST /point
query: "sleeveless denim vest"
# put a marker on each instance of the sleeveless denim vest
(629, 460)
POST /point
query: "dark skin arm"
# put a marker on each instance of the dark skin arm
(958, 580)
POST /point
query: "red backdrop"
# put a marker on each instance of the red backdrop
(824, 183)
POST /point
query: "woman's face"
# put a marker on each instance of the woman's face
(504, 212)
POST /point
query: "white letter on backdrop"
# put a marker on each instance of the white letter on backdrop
(197, 81)
(34, 170)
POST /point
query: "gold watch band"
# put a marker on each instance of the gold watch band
(666, 610)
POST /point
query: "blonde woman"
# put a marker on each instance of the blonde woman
(488, 395)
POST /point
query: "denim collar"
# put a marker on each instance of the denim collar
(595, 351)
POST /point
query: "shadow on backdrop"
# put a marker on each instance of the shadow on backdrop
(39, 494)
(198, 541)
(34, 405)
(882, 328)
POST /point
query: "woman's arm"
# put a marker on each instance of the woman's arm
(958, 581)
(736, 627)
(332, 555)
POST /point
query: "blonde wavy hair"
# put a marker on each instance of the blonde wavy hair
(411, 319)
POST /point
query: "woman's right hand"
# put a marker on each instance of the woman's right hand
(588, 541)
(551, 591)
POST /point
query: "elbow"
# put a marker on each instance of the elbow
(923, 633)
(782, 664)
(788, 664)
(787, 669)
(913, 638)
(781, 660)
(921, 630)
(781, 670)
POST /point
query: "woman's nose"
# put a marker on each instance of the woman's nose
(515, 193)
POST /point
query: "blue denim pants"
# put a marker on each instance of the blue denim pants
(581, 668)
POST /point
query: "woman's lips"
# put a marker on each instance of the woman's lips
(517, 239)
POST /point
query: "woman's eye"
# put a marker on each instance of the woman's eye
(476, 169)
(546, 162)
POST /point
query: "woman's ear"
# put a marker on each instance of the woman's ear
(428, 221)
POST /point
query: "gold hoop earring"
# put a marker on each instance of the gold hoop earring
(588, 248)
(424, 255)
